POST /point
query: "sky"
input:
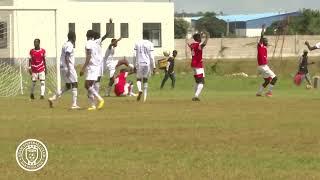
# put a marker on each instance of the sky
(244, 6)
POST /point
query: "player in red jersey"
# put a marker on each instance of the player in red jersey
(37, 68)
(122, 87)
(269, 77)
(197, 62)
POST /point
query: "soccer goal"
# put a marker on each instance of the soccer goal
(18, 29)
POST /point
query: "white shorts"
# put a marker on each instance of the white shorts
(143, 72)
(111, 66)
(198, 72)
(92, 73)
(100, 73)
(73, 78)
(266, 72)
(38, 76)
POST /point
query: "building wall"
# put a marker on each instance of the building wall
(83, 14)
(250, 32)
(6, 48)
(241, 32)
(152, 13)
(29, 25)
(6, 2)
(246, 48)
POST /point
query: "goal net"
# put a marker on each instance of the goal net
(18, 29)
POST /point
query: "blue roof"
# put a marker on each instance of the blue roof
(245, 17)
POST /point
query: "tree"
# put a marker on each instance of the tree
(180, 28)
(308, 23)
(210, 23)
(186, 14)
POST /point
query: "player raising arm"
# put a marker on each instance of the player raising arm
(197, 62)
(263, 68)
(99, 41)
(91, 67)
(37, 68)
(112, 63)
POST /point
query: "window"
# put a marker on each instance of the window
(111, 27)
(96, 27)
(124, 30)
(153, 33)
(72, 27)
(3, 35)
(6, 3)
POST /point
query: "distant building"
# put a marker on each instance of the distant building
(249, 25)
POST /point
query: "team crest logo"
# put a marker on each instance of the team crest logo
(32, 155)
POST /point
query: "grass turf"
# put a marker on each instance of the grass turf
(230, 134)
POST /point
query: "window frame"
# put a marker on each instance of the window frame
(124, 33)
(111, 34)
(152, 31)
(3, 35)
(72, 27)
(96, 26)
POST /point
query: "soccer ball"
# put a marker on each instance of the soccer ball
(166, 53)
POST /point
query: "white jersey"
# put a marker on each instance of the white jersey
(109, 56)
(318, 45)
(96, 57)
(144, 53)
(99, 50)
(67, 48)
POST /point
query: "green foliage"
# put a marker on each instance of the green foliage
(306, 24)
(210, 23)
(180, 28)
(186, 14)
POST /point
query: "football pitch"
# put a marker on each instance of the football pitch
(230, 134)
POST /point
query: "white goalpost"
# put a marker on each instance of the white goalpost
(18, 29)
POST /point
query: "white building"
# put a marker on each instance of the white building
(21, 21)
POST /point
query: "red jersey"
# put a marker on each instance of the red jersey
(37, 60)
(120, 82)
(262, 54)
(196, 52)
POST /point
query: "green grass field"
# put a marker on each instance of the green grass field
(230, 134)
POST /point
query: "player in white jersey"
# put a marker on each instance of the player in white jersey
(99, 41)
(92, 69)
(144, 62)
(68, 71)
(311, 48)
(112, 63)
